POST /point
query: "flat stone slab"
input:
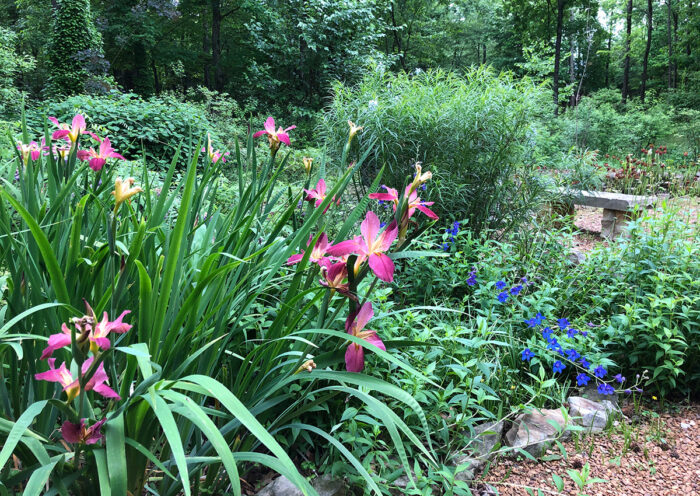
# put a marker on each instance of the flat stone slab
(607, 200)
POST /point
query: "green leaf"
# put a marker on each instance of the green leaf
(19, 428)
(558, 482)
(116, 454)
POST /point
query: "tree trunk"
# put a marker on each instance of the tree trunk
(206, 49)
(607, 59)
(675, 42)
(572, 65)
(216, 43)
(626, 76)
(670, 43)
(156, 81)
(484, 59)
(645, 63)
(557, 54)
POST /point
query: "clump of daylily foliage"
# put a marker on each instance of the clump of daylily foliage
(156, 391)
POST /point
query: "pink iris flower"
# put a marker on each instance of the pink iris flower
(334, 275)
(99, 159)
(97, 383)
(79, 433)
(97, 336)
(214, 155)
(318, 253)
(72, 132)
(414, 202)
(319, 194)
(275, 137)
(371, 245)
(32, 150)
(354, 325)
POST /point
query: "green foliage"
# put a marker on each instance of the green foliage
(599, 122)
(158, 125)
(640, 293)
(474, 132)
(11, 65)
(210, 376)
(74, 49)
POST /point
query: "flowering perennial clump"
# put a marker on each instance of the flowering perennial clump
(87, 336)
(372, 246)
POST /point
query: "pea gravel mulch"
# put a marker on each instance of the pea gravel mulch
(649, 467)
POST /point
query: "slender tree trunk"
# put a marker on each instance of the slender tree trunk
(156, 81)
(557, 54)
(670, 43)
(206, 48)
(484, 59)
(645, 64)
(675, 42)
(572, 64)
(626, 76)
(216, 43)
(690, 13)
(607, 59)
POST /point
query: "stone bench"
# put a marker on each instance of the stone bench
(617, 208)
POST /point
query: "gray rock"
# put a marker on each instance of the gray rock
(328, 486)
(474, 466)
(576, 257)
(324, 485)
(533, 432)
(281, 486)
(590, 414)
(486, 438)
(590, 392)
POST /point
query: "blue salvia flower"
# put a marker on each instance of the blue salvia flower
(502, 296)
(382, 224)
(424, 186)
(515, 290)
(547, 333)
(563, 323)
(605, 389)
(558, 367)
(500, 285)
(446, 246)
(471, 281)
(599, 371)
(582, 379)
(535, 321)
(572, 354)
(585, 363)
(527, 354)
(571, 332)
(584, 333)
(619, 378)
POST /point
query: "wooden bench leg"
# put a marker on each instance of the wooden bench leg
(614, 223)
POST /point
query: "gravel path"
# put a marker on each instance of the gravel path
(662, 458)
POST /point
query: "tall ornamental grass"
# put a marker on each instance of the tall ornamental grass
(149, 342)
(475, 132)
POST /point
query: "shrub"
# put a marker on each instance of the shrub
(475, 132)
(157, 125)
